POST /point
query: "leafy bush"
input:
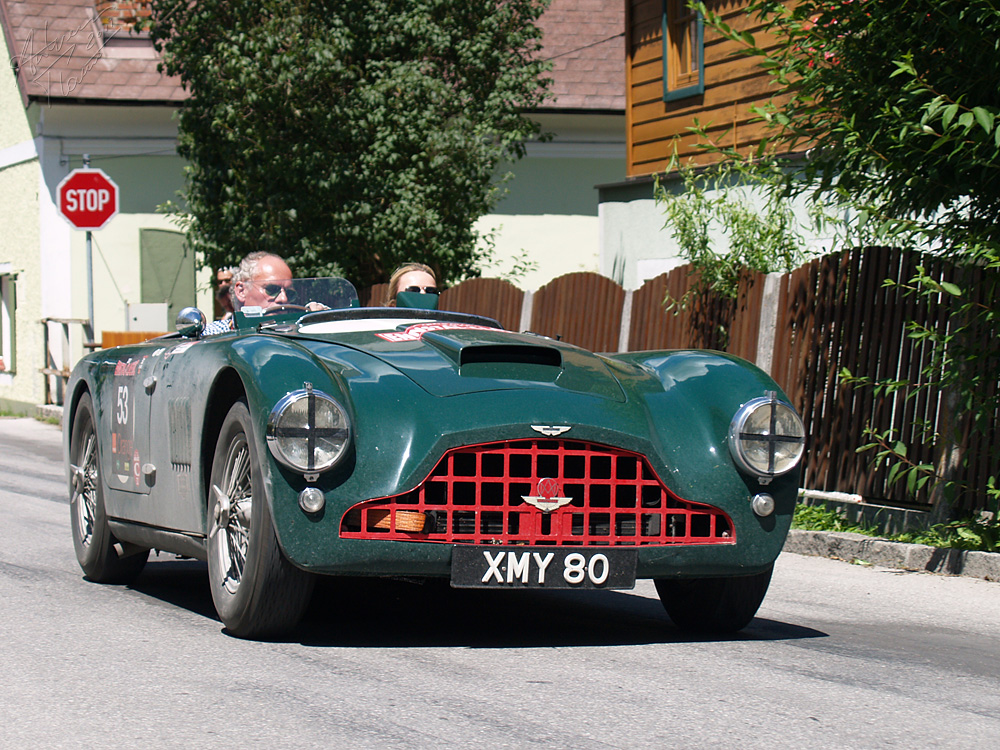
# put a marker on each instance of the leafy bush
(349, 136)
(978, 533)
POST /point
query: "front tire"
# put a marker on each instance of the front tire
(256, 591)
(102, 557)
(713, 605)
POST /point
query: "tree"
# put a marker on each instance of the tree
(898, 106)
(349, 136)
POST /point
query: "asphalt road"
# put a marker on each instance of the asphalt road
(840, 656)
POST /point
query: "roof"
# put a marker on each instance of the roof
(585, 40)
(61, 53)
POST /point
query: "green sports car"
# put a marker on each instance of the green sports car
(408, 441)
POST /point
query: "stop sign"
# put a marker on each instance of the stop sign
(88, 198)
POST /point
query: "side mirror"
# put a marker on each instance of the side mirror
(190, 322)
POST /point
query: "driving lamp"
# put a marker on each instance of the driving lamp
(766, 437)
(308, 431)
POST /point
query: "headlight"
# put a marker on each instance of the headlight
(766, 437)
(308, 431)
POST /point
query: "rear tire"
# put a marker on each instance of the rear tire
(256, 591)
(102, 557)
(713, 605)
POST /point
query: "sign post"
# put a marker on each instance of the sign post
(88, 199)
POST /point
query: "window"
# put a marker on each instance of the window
(683, 51)
(7, 317)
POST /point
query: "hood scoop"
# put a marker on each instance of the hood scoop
(469, 355)
(453, 360)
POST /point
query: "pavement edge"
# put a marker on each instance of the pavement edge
(859, 548)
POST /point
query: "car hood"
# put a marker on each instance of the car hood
(447, 359)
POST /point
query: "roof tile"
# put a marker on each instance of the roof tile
(585, 40)
(56, 46)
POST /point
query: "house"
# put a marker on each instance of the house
(82, 85)
(678, 73)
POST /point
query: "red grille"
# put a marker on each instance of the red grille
(476, 494)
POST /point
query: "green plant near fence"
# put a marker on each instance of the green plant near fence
(974, 533)
(725, 225)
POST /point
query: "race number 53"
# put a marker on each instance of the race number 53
(121, 411)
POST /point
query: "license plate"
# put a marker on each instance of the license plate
(543, 567)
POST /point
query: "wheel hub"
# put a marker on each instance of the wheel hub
(79, 479)
(223, 508)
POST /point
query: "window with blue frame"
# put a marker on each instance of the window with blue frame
(683, 51)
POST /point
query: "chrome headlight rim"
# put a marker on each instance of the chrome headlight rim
(739, 437)
(277, 433)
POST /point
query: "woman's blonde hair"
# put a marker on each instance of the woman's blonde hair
(392, 290)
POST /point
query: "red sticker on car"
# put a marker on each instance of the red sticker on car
(416, 332)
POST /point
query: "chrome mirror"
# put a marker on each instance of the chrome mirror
(190, 322)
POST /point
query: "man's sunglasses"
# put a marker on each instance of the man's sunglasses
(275, 290)
(424, 289)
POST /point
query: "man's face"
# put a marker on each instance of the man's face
(269, 287)
(224, 277)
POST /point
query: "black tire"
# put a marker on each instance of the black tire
(713, 605)
(256, 591)
(102, 557)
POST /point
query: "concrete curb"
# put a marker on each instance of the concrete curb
(49, 412)
(861, 548)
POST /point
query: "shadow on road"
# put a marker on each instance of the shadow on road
(182, 583)
(386, 613)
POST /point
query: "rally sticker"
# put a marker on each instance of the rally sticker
(416, 332)
(124, 455)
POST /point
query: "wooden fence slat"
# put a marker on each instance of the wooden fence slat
(494, 298)
(110, 339)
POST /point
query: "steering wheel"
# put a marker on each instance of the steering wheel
(284, 308)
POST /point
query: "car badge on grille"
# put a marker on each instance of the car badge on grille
(550, 430)
(545, 496)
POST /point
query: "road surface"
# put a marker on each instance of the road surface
(840, 656)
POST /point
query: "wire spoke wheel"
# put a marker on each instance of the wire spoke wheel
(233, 513)
(83, 488)
(257, 592)
(101, 556)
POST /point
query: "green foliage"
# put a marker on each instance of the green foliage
(979, 533)
(724, 226)
(822, 518)
(897, 104)
(893, 453)
(961, 371)
(349, 136)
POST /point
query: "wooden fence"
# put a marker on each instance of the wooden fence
(803, 328)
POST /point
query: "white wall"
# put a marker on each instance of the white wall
(549, 216)
(636, 246)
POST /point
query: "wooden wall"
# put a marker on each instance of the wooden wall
(733, 84)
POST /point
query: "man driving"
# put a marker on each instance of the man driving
(261, 280)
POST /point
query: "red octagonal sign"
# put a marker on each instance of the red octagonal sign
(88, 198)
